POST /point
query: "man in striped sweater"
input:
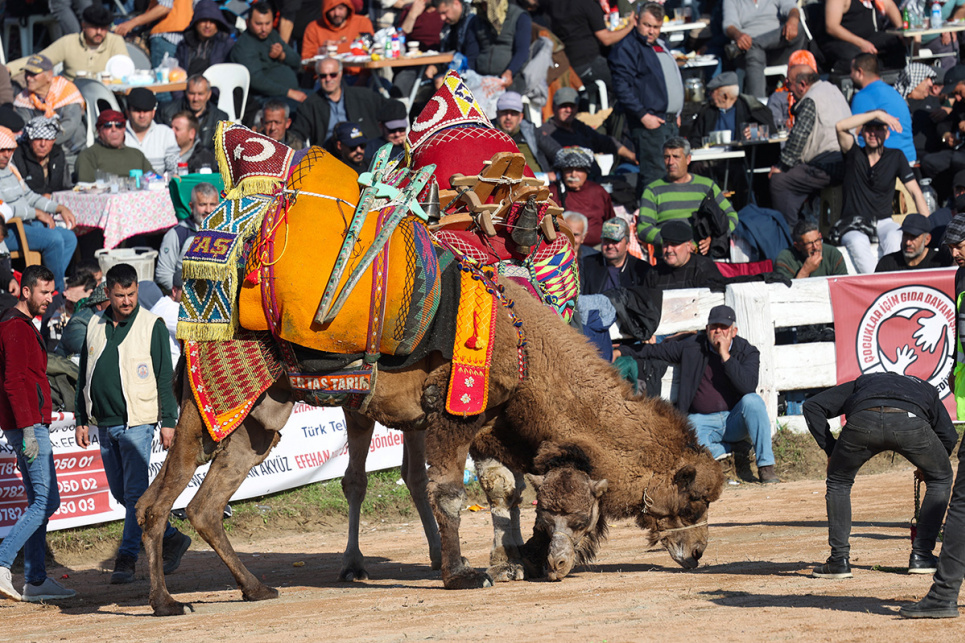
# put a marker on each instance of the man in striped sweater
(678, 196)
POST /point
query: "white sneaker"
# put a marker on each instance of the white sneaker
(6, 585)
(51, 590)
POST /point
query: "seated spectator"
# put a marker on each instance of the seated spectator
(680, 195)
(275, 120)
(809, 257)
(873, 94)
(509, 119)
(781, 102)
(207, 40)
(87, 51)
(915, 253)
(497, 43)
(177, 240)
(109, 152)
(336, 102)
(458, 18)
(762, 33)
(914, 85)
(156, 141)
(566, 131)
(681, 266)
(578, 223)
(811, 159)
(40, 160)
(53, 96)
(55, 244)
(185, 127)
(394, 122)
(869, 189)
(169, 19)
(197, 100)
(950, 159)
(613, 266)
(420, 22)
(167, 308)
(574, 191)
(348, 145)
(74, 333)
(581, 27)
(272, 63)
(853, 28)
(337, 25)
(728, 109)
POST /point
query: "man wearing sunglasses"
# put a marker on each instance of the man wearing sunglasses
(109, 153)
(335, 102)
(348, 144)
(869, 188)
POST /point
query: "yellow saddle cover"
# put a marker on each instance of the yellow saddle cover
(297, 250)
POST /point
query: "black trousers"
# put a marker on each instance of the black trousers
(867, 434)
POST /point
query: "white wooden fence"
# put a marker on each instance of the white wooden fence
(761, 309)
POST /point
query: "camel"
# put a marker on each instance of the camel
(567, 394)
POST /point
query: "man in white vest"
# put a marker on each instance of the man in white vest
(125, 390)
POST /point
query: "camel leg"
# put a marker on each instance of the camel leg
(447, 445)
(504, 490)
(247, 447)
(354, 484)
(416, 479)
(155, 504)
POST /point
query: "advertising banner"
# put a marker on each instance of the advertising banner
(898, 322)
(313, 447)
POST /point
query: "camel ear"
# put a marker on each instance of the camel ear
(599, 487)
(535, 481)
(685, 477)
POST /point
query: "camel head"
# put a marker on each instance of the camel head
(569, 523)
(675, 506)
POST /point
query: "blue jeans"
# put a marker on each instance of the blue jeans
(43, 499)
(748, 418)
(56, 247)
(867, 434)
(126, 453)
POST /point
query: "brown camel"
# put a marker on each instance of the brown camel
(568, 394)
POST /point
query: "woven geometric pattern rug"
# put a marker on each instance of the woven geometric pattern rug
(472, 352)
(227, 377)
(250, 163)
(210, 269)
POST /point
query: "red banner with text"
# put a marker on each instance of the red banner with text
(898, 322)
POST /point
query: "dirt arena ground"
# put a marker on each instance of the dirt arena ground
(752, 585)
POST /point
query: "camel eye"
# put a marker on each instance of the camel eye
(580, 523)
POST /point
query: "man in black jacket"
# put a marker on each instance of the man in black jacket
(728, 109)
(197, 100)
(40, 160)
(614, 266)
(681, 266)
(335, 103)
(885, 412)
(718, 382)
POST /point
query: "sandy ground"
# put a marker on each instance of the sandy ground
(752, 585)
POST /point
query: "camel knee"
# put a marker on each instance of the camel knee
(502, 488)
(447, 499)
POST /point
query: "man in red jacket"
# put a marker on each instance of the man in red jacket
(25, 420)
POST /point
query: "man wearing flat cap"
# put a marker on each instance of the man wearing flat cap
(573, 190)
(719, 373)
(109, 153)
(394, 124)
(681, 266)
(915, 253)
(728, 109)
(54, 97)
(87, 51)
(156, 141)
(869, 188)
(40, 160)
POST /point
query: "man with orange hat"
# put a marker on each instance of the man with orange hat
(55, 244)
(109, 153)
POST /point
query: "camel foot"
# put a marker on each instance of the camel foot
(505, 572)
(169, 608)
(352, 574)
(260, 593)
(468, 579)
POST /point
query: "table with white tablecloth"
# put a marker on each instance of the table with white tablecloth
(120, 215)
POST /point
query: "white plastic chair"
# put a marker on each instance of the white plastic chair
(26, 31)
(98, 98)
(141, 61)
(228, 77)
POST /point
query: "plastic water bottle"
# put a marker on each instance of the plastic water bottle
(614, 17)
(931, 197)
(936, 16)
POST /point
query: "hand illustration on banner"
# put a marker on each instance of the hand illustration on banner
(930, 332)
(905, 357)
